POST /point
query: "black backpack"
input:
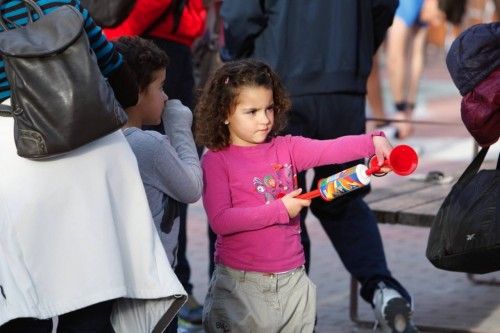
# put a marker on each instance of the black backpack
(60, 99)
(465, 235)
(108, 13)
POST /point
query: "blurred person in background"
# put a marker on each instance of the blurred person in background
(375, 97)
(406, 41)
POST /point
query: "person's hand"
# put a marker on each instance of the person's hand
(294, 205)
(383, 149)
(176, 117)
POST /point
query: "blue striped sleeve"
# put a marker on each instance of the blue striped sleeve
(107, 56)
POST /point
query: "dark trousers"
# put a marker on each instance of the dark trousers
(348, 221)
(92, 319)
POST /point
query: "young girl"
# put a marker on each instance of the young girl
(259, 284)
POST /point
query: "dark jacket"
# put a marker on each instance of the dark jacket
(316, 46)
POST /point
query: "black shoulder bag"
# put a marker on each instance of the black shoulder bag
(465, 235)
(108, 13)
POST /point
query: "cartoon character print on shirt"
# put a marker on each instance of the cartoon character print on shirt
(276, 185)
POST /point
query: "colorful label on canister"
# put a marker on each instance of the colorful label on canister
(343, 182)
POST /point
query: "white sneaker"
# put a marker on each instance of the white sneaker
(392, 311)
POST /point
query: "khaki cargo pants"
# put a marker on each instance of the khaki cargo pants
(239, 301)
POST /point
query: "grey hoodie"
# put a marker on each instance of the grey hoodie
(169, 166)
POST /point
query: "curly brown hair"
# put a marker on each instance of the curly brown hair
(143, 57)
(219, 97)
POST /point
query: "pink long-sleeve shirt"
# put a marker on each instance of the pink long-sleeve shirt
(242, 191)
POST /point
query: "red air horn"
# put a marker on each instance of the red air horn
(402, 160)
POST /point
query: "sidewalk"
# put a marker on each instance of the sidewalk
(441, 298)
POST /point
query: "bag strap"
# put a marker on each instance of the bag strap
(31, 6)
(176, 8)
(5, 111)
(473, 168)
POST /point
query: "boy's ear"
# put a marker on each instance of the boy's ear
(140, 94)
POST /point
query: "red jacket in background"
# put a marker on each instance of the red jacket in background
(147, 12)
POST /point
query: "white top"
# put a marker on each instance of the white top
(76, 230)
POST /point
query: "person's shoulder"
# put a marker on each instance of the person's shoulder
(53, 3)
(145, 137)
(153, 135)
(148, 146)
(284, 140)
(212, 157)
(57, 2)
(213, 154)
(290, 142)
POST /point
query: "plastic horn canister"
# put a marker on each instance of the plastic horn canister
(343, 182)
(403, 160)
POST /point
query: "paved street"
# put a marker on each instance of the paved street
(441, 298)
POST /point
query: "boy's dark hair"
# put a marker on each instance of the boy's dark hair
(219, 97)
(143, 58)
(453, 9)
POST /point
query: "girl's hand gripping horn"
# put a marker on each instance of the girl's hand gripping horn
(403, 160)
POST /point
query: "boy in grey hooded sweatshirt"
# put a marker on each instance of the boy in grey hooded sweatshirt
(168, 164)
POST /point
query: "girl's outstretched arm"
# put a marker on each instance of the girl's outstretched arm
(309, 153)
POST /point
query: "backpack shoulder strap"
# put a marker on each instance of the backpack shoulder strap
(5, 111)
(473, 168)
(31, 6)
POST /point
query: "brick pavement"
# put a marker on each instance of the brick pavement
(441, 298)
